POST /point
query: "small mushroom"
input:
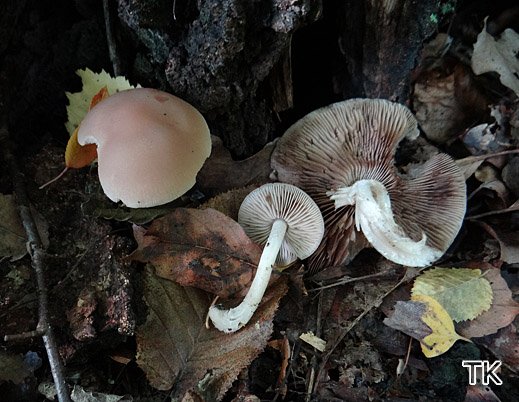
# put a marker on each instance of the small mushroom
(343, 156)
(150, 146)
(291, 226)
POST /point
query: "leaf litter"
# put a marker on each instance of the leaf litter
(175, 349)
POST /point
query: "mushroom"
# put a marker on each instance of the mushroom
(150, 146)
(290, 224)
(343, 156)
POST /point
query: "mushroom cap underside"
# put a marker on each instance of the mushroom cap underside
(353, 140)
(274, 201)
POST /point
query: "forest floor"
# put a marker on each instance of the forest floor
(128, 324)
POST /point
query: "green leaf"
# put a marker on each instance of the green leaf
(463, 292)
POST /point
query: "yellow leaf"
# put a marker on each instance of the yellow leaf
(80, 102)
(439, 321)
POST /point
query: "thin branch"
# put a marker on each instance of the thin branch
(112, 46)
(35, 248)
(352, 325)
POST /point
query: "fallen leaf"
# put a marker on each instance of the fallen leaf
(500, 56)
(100, 208)
(175, 349)
(406, 317)
(444, 105)
(199, 247)
(503, 345)
(311, 339)
(229, 203)
(12, 368)
(221, 173)
(78, 156)
(480, 393)
(79, 394)
(510, 173)
(92, 83)
(449, 286)
(443, 334)
(425, 320)
(12, 234)
(501, 313)
(508, 243)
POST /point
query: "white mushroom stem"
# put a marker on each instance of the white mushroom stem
(373, 215)
(233, 319)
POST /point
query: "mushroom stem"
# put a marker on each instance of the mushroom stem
(374, 216)
(233, 319)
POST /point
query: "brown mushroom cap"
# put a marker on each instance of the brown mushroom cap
(336, 146)
(150, 146)
(283, 201)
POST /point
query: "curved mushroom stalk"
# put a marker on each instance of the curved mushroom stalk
(235, 318)
(374, 216)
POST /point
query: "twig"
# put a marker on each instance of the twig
(35, 248)
(112, 47)
(349, 280)
(347, 330)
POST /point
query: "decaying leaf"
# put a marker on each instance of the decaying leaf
(464, 293)
(80, 394)
(80, 102)
(12, 234)
(425, 320)
(443, 334)
(498, 55)
(508, 243)
(444, 105)
(12, 368)
(503, 345)
(315, 341)
(175, 349)
(221, 173)
(199, 247)
(501, 313)
(229, 203)
(101, 208)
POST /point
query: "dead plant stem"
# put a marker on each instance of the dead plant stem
(36, 252)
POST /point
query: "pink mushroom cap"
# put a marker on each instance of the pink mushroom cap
(150, 146)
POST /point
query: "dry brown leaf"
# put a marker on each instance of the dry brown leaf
(199, 247)
(480, 393)
(12, 234)
(508, 242)
(175, 349)
(500, 56)
(229, 203)
(501, 313)
(444, 105)
(221, 173)
(503, 345)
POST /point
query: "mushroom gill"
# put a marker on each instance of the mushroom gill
(343, 154)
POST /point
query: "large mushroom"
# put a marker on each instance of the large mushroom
(343, 156)
(150, 146)
(291, 226)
